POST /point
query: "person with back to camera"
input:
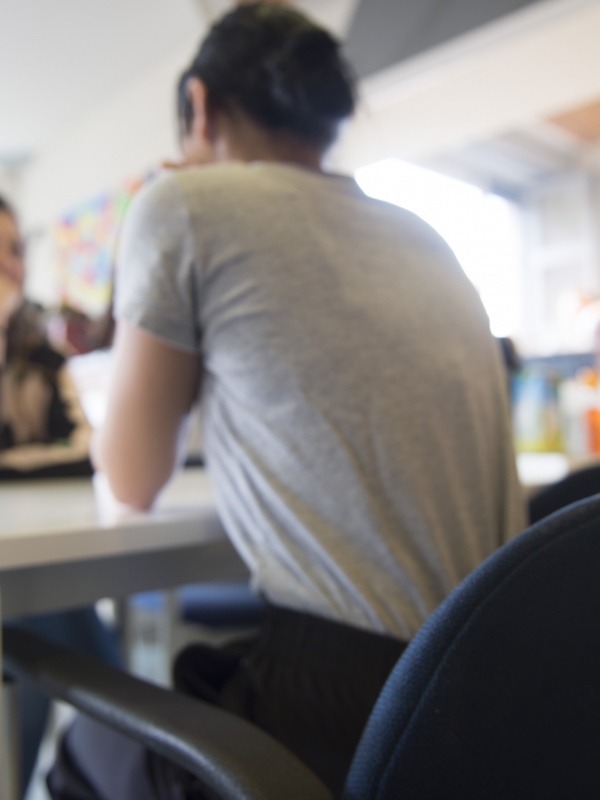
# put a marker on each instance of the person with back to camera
(355, 418)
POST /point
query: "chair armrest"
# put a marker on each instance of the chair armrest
(233, 759)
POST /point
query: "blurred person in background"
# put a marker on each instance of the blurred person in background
(43, 433)
(42, 424)
(354, 408)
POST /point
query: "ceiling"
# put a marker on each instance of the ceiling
(520, 158)
(517, 159)
(582, 122)
(386, 32)
(492, 104)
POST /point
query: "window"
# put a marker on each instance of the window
(482, 229)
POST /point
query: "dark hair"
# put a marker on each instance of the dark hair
(6, 208)
(274, 64)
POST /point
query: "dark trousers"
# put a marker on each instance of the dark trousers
(309, 682)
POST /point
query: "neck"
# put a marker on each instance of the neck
(242, 140)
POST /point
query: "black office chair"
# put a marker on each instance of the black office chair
(576, 486)
(497, 697)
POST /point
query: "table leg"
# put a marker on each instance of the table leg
(9, 735)
(148, 634)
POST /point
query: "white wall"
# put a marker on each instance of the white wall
(125, 136)
(9, 183)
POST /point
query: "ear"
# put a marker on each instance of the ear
(198, 95)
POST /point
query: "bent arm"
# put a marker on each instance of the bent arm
(153, 388)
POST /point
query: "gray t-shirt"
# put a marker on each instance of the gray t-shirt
(354, 404)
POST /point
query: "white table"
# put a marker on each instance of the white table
(59, 548)
(538, 470)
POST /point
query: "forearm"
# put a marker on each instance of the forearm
(136, 468)
(152, 391)
(3, 337)
(131, 486)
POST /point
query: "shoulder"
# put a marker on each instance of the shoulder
(211, 182)
(158, 198)
(170, 195)
(404, 222)
(156, 217)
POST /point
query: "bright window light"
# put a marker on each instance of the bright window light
(481, 228)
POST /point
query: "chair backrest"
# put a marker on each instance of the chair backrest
(578, 485)
(498, 696)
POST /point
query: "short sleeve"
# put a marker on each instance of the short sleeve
(155, 286)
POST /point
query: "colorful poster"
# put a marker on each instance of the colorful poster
(86, 240)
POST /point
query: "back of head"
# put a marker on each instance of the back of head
(272, 63)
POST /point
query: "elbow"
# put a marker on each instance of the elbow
(135, 472)
(132, 482)
(137, 494)
(138, 502)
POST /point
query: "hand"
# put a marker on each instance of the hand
(184, 164)
(173, 165)
(10, 298)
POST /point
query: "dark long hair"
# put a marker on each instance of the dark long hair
(6, 208)
(275, 65)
